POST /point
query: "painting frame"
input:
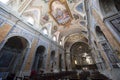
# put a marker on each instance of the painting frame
(61, 21)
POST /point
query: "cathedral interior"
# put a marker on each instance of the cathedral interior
(59, 39)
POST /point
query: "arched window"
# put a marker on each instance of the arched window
(54, 38)
(60, 42)
(4, 1)
(30, 20)
(45, 31)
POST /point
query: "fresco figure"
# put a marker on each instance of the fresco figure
(60, 12)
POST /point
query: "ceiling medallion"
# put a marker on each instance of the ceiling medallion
(60, 12)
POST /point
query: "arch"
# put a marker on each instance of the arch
(77, 33)
(72, 30)
(13, 35)
(52, 60)
(60, 62)
(81, 38)
(13, 53)
(39, 65)
(52, 54)
(69, 49)
(85, 48)
(80, 55)
(98, 31)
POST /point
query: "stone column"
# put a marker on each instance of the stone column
(27, 65)
(48, 58)
(4, 30)
(68, 61)
(63, 61)
(56, 65)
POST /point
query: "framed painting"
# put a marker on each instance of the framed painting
(60, 12)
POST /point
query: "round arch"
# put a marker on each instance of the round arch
(80, 55)
(38, 64)
(13, 35)
(84, 39)
(13, 54)
(81, 43)
(77, 42)
(52, 60)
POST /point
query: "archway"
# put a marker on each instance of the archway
(39, 58)
(13, 54)
(60, 62)
(81, 56)
(112, 58)
(52, 60)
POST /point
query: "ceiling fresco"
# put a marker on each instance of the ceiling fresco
(60, 12)
(65, 17)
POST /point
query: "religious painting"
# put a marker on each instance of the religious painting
(60, 12)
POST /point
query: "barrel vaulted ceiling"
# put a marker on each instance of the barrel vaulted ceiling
(61, 17)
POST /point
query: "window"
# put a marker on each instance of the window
(82, 23)
(60, 42)
(4, 1)
(45, 31)
(30, 20)
(75, 61)
(54, 38)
